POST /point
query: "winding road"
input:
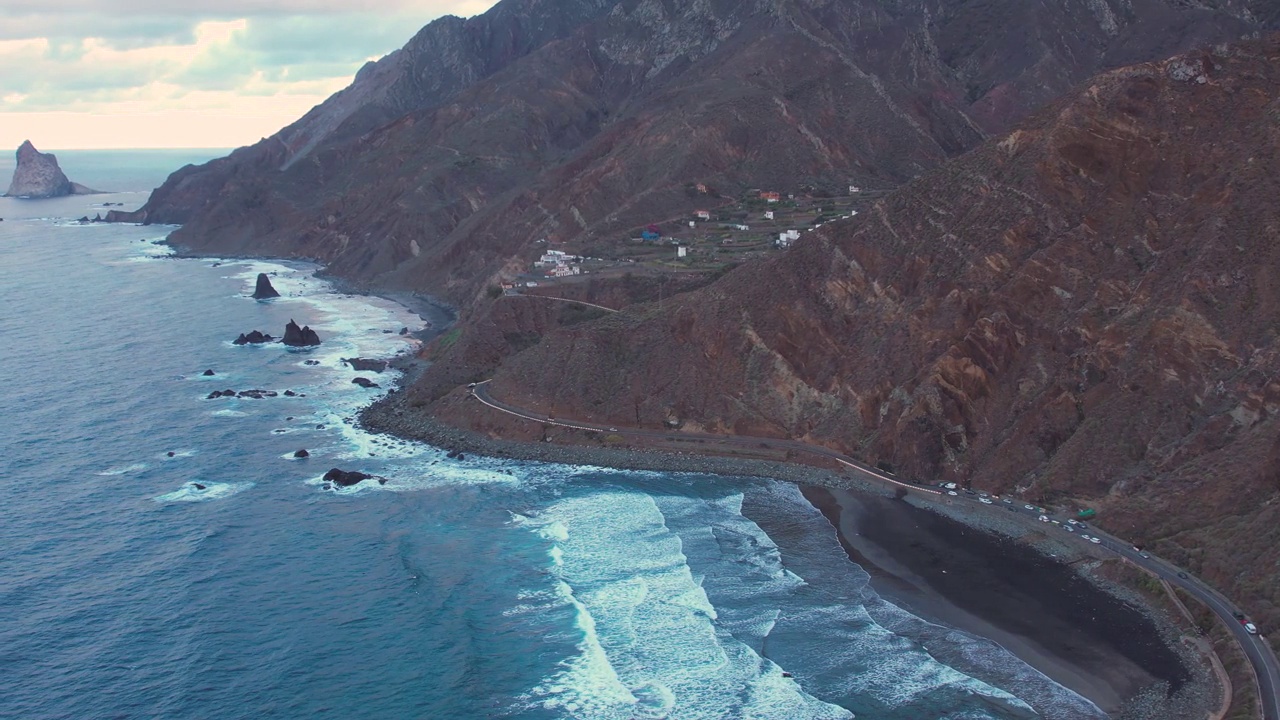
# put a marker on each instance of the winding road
(1266, 667)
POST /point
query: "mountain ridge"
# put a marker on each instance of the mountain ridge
(604, 110)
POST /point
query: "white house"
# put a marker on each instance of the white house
(854, 189)
(682, 251)
(786, 238)
(768, 214)
(703, 215)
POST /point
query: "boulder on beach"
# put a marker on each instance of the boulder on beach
(300, 336)
(365, 382)
(253, 338)
(302, 454)
(263, 290)
(365, 365)
(343, 478)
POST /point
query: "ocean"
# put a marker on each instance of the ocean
(165, 556)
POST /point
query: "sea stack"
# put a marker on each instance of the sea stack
(264, 291)
(299, 336)
(38, 176)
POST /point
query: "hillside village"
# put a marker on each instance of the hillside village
(721, 232)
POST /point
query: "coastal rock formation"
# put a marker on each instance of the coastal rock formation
(295, 336)
(365, 365)
(577, 123)
(344, 478)
(263, 290)
(301, 453)
(38, 176)
(252, 338)
(364, 382)
(208, 373)
(1080, 313)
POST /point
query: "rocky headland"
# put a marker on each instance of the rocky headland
(37, 176)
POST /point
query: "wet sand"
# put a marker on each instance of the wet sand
(990, 586)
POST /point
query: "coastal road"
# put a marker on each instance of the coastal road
(1260, 655)
(480, 391)
(1266, 667)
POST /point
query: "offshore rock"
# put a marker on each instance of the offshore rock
(263, 290)
(364, 382)
(344, 478)
(253, 338)
(38, 176)
(299, 336)
(365, 365)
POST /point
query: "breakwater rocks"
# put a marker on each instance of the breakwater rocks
(395, 416)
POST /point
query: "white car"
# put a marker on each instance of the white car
(1095, 541)
(1073, 522)
(1043, 518)
(1068, 528)
(984, 501)
(953, 493)
(1028, 507)
(1251, 628)
(1086, 537)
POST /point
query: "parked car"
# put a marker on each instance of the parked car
(1007, 500)
(1028, 507)
(1095, 541)
(1182, 575)
(1251, 628)
(953, 493)
(1043, 518)
(1086, 537)
(1238, 615)
(984, 501)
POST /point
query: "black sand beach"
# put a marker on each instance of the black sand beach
(988, 585)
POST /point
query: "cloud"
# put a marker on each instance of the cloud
(107, 57)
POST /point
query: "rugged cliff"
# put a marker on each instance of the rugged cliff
(538, 119)
(1082, 312)
(38, 176)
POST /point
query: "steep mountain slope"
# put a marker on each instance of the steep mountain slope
(556, 119)
(1084, 312)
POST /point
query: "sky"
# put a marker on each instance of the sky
(81, 74)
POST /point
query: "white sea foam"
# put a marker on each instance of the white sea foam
(212, 491)
(124, 469)
(651, 645)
